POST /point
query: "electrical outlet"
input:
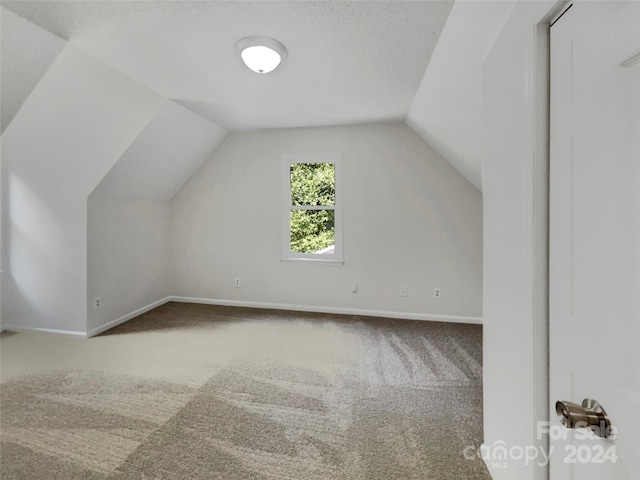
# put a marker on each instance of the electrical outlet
(97, 303)
(237, 282)
(404, 291)
(436, 292)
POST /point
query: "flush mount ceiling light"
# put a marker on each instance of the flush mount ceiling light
(261, 54)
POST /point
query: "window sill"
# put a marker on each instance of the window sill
(313, 261)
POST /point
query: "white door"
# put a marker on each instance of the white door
(595, 235)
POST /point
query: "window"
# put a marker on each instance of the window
(312, 208)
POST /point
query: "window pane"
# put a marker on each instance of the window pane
(312, 231)
(313, 184)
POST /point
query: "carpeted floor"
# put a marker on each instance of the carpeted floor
(204, 392)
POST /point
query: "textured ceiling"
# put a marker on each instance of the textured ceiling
(348, 62)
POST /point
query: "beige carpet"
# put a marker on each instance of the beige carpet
(204, 392)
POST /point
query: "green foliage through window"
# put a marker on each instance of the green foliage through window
(312, 184)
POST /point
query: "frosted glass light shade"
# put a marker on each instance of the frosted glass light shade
(261, 54)
(260, 59)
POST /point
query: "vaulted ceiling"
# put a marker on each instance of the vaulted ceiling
(348, 62)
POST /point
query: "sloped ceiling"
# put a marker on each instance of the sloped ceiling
(447, 110)
(26, 52)
(348, 62)
(163, 157)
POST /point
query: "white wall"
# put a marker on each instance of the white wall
(447, 109)
(515, 198)
(128, 215)
(2, 241)
(128, 249)
(163, 157)
(27, 51)
(70, 131)
(409, 219)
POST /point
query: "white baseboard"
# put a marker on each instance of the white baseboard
(272, 306)
(20, 328)
(126, 317)
(337, 310)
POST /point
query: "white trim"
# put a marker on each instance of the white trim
(268, 305)
(127, 317)
(328, 261)
(562, 8)
(336, 310)
(538, 231)
(19, 328)
(316, 208)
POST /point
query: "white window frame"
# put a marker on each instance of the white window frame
(287, 160)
